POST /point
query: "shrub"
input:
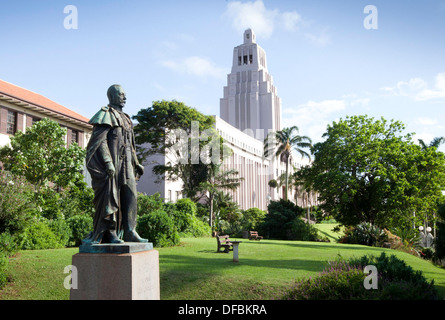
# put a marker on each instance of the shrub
(77, 200)
(8, 244)
(159, 228)
(81, 226)
(182, 213)
(147, 204)
(16, 205)
(197, 228)
(61, 230)
(252, 218)
(439, 241)
(302, 231)
(345, 280)
(4, 261)
(366, 234)
(338, 282)
(186, 205)
(8, 247)
(279, 219)
(398, 280)
(40, 236)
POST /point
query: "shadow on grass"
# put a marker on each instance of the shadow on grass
(224, 264)
(312, 245)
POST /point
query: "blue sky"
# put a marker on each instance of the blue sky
(324, 63)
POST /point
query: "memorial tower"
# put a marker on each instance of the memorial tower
(250, 102)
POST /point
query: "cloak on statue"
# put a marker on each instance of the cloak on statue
(112, 141)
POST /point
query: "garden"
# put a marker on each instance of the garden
(46, 209)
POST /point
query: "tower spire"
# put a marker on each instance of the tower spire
(249, 36)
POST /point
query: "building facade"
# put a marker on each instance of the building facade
(21, 108)
(249, 110)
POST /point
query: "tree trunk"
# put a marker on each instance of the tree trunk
(211, 210)
(287, 178)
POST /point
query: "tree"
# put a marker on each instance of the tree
(367, 171)
(281, 143)
(218, 180)
(436, 142)
(41, 156)
(278, 221)
(176, 131)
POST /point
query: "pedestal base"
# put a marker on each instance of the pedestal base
(115, 276)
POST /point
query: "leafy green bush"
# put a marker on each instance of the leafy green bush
(8, 247)
(252, 218)
(439, 241)
(186, 205)
(279, 219)
(182, 213)
(40, 236)
(302, 231)
(345, 280)
(197, 228)
(16, 205)
(81, 226)
(159, 228)
(61, 230)
(366, 234)
(340, 283)
(4, 261)
(147, 204)
(77, 200)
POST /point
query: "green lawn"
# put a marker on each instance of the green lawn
(195, 271)
(325, 229)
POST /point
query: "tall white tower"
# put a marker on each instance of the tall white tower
(250, 101)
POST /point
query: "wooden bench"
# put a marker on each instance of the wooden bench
(224, 242)
(253, 235)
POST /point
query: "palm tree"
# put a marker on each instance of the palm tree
(217, 180)
(281, 143)
(436, 142)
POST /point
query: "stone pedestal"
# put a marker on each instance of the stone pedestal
(235, 250)
(128, 271)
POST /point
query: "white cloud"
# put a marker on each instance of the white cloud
(252, 15)
(418, 89)
(322, 39)
(263, 21)
(424, 121)
(291, 20)
(197, 66)
(313, 117)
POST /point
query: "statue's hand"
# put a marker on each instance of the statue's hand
(140, 169)
(110, 169)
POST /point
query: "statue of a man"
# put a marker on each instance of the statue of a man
(114, 168)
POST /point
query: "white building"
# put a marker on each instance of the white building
(249, 110)
(20, 108)
(250, 101)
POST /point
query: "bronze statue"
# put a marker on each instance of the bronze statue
(114, 168)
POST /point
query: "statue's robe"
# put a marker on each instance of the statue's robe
(115, 199)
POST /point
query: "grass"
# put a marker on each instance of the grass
(325, 229)
(194, 270)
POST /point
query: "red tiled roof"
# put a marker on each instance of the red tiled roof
(37, 99)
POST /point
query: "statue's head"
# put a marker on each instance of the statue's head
(116, 96)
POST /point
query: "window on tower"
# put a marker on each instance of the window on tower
(245, 59)
(239, 60)
(250, 59)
